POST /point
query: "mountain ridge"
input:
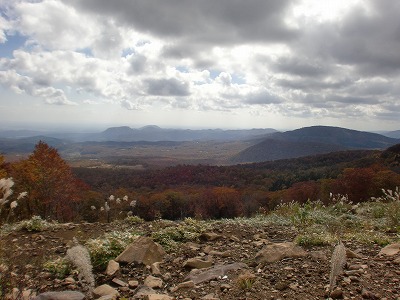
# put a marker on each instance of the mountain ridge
(310, 141)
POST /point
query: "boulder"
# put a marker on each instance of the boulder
(66, 295)
(142, 251)
(278, 251)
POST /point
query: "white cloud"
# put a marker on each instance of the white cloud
(24, 84)
(301, 58)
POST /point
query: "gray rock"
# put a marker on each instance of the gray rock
(277, 251)
(66, 295)
(213, 273)
(143, 251)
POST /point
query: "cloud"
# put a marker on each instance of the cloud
(129, 105)
(167, 87)
(227, 21)
(288, 57)
(4, 27)
(24, 84)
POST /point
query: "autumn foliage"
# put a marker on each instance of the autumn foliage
(201, 191)
(52, 189)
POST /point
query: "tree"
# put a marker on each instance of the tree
(3, 172)
(52, 188)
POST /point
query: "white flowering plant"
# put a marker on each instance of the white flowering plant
(6, 192)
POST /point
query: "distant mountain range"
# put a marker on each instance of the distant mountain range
(267, 144)
(393, 134)
(149, 133)
(310, 141)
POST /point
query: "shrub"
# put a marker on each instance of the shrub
(246, 280)
(108, 246)
(59, 267)
(315, 239)
(36, 223)
(188, 230)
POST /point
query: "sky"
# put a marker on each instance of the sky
(280, 64)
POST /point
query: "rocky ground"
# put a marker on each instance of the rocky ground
(229, 261)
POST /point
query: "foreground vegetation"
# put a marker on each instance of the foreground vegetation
(372, 222)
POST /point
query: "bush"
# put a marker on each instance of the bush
(36, 223)
(188, 230)
(108, 246)
(59, 267)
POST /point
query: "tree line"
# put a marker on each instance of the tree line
(53, 190)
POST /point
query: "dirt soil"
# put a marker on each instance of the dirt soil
(367, 277)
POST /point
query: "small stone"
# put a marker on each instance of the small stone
(133, 283)
(208, 249)
(26, 294)
(210, 297)
(69, 280)
(119, 282)
(352, 254)
(158, 297)
(210, 236)
(144, 291)
(15, 293)
(155, 268)
(184, 285)
(196, 263)
(105, 290)
(167, 276)
(280, 286)
(368, 295)
(112, 268)
(337, 293)
(225, 286)
(153, 282)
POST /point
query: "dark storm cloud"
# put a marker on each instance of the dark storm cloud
(205, 21)
(167, 87)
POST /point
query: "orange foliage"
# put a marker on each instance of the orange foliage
(52, 188)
